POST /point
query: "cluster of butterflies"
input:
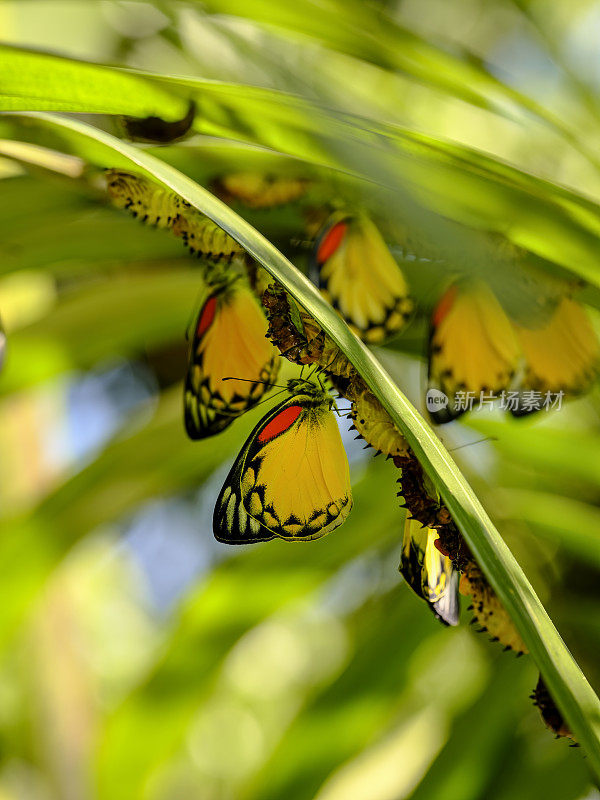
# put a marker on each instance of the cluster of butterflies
(476, 349)
(291, 478)
(232, 365)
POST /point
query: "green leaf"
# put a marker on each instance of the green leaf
(565, 454)
(125, 314)
(33, 80)
(120, 478)
(570, 523)
(368, 33)
(428, 179)
(566, 682)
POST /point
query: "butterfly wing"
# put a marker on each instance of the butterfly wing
(429, 573)
(290, 480)
(2, 344)
(472, 348)
(562, 355)
(229, 340)
(257, 190)
(360, 278)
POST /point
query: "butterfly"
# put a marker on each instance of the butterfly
(475, 349)
(2, 344)
(429, 573)
(472, 346)
(358, 275)
(291, 478)
(563, 354)
(229, 339)
(257, 190)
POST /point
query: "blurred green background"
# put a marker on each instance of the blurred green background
(138, 657)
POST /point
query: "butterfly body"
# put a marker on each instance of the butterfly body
(291, 478)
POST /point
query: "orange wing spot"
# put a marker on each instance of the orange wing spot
(207, 316)
(331, 241)
(284, 420)
(444, 306)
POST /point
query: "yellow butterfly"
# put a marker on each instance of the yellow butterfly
(2, 344)
(360, 278)
(257, 190)
(475, 350)
(562, 355)
(472, 348)
(429, 573)
(229, 339)
(291, 479)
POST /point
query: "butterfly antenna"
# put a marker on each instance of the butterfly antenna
(310, 374)
(477, 441)
(270, 397)
(253, 380)
(340, 411)
(327, 366)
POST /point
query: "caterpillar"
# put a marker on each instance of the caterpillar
(157, 206)
(551, 716)
(144, 199)
(204, 238)
(373, 423)
(488, 611)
